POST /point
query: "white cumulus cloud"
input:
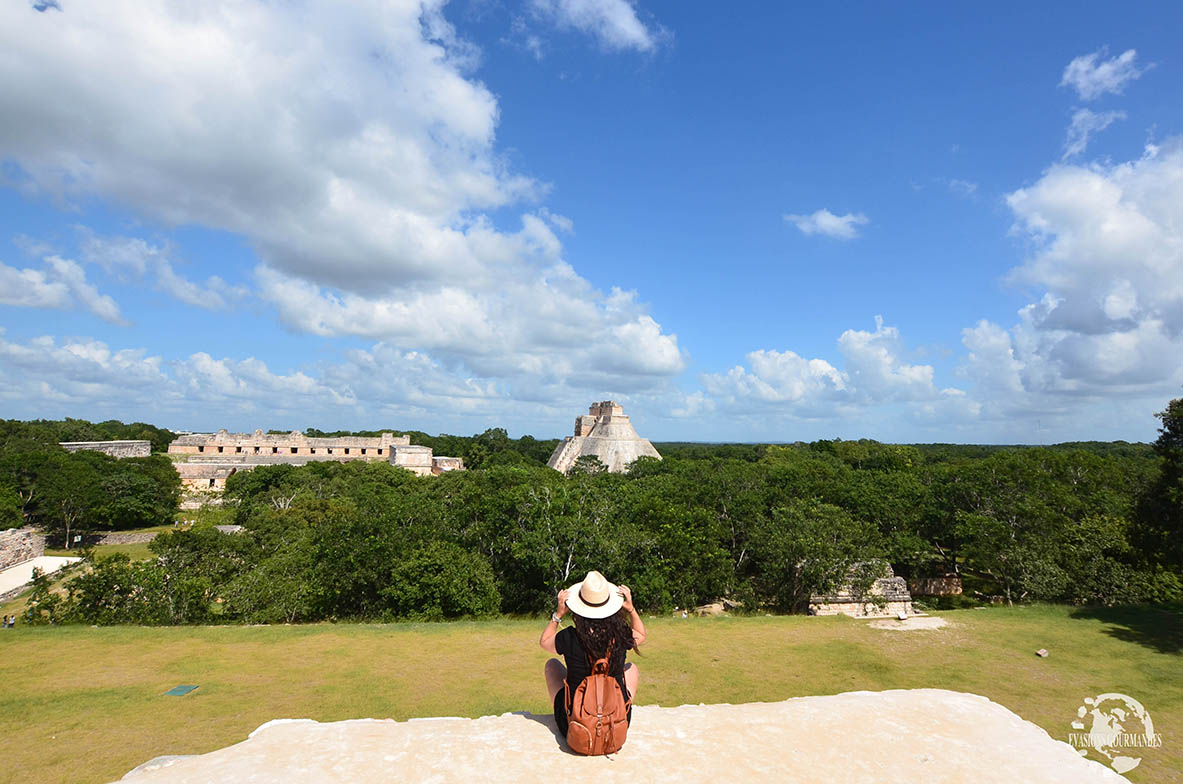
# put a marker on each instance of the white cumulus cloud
(873, 373)
(1107, 268)
(62, 285)
(842, 227)
(1091, 75)
(354, 150)
(147, 259)
(1086, 122)
(614, 23)
(48, 376)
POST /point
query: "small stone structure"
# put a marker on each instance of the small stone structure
(608, 434)
(891, 591)
(946, 585)
(18, 545)
(112, 448)
(206, 460)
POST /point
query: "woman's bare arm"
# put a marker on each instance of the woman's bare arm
(547, 640)
(634, 616)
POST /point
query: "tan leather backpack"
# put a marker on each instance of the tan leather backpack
(597, 721)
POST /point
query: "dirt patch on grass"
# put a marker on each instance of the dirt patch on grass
(911, 624)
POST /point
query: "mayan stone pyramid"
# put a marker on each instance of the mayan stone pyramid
(605, 432)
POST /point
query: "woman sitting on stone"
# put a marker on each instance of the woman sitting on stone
(604, 616)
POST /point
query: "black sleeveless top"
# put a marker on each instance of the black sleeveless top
(578, 667)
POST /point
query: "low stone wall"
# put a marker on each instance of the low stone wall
(18, 545)
(112, 448)
(127, 538)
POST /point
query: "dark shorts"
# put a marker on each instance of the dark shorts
(561, 711)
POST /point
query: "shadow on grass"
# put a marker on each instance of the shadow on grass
(1155, 626)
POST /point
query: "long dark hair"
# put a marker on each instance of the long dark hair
(595, 635)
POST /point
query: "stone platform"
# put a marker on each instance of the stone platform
(14, 579)
(904, 736)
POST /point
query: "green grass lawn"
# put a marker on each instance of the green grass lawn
(137, 552)
(82, 704)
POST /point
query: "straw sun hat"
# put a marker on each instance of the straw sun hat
(594, 597)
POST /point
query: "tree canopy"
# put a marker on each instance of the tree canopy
(766, 526)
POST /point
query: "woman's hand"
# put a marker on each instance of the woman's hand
(562, 610)
(627, 593)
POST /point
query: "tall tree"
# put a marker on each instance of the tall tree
(1159, 533)
(71, 493)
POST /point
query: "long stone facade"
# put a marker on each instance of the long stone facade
(112, 448)
(206, 460)
(284, 446)
(608, 434)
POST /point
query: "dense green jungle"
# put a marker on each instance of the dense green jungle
(764, 525)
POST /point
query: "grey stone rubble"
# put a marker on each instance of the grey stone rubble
(126, 538)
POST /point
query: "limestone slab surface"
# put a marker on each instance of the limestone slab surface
(22, 574)
(918, 735)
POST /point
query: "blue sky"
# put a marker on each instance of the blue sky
(744, 222)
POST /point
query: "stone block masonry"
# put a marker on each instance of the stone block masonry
(890, 591)
(112, 448)
(283, 446)
(18, 545)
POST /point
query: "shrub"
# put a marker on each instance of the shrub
(440, 580)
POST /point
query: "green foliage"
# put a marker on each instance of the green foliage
(10, 508)
(766, 525)
(808, 547)
(43, 606)
(75, 493)
(439, 580)
(138, 493)
(588, 464)
(48, 431)
(70, 494)
(1159, 533)
(278, 590)
(117, 590)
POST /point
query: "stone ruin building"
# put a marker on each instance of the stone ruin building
(605, 432)
(891, 592)
(206, 460)
(112, 448)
